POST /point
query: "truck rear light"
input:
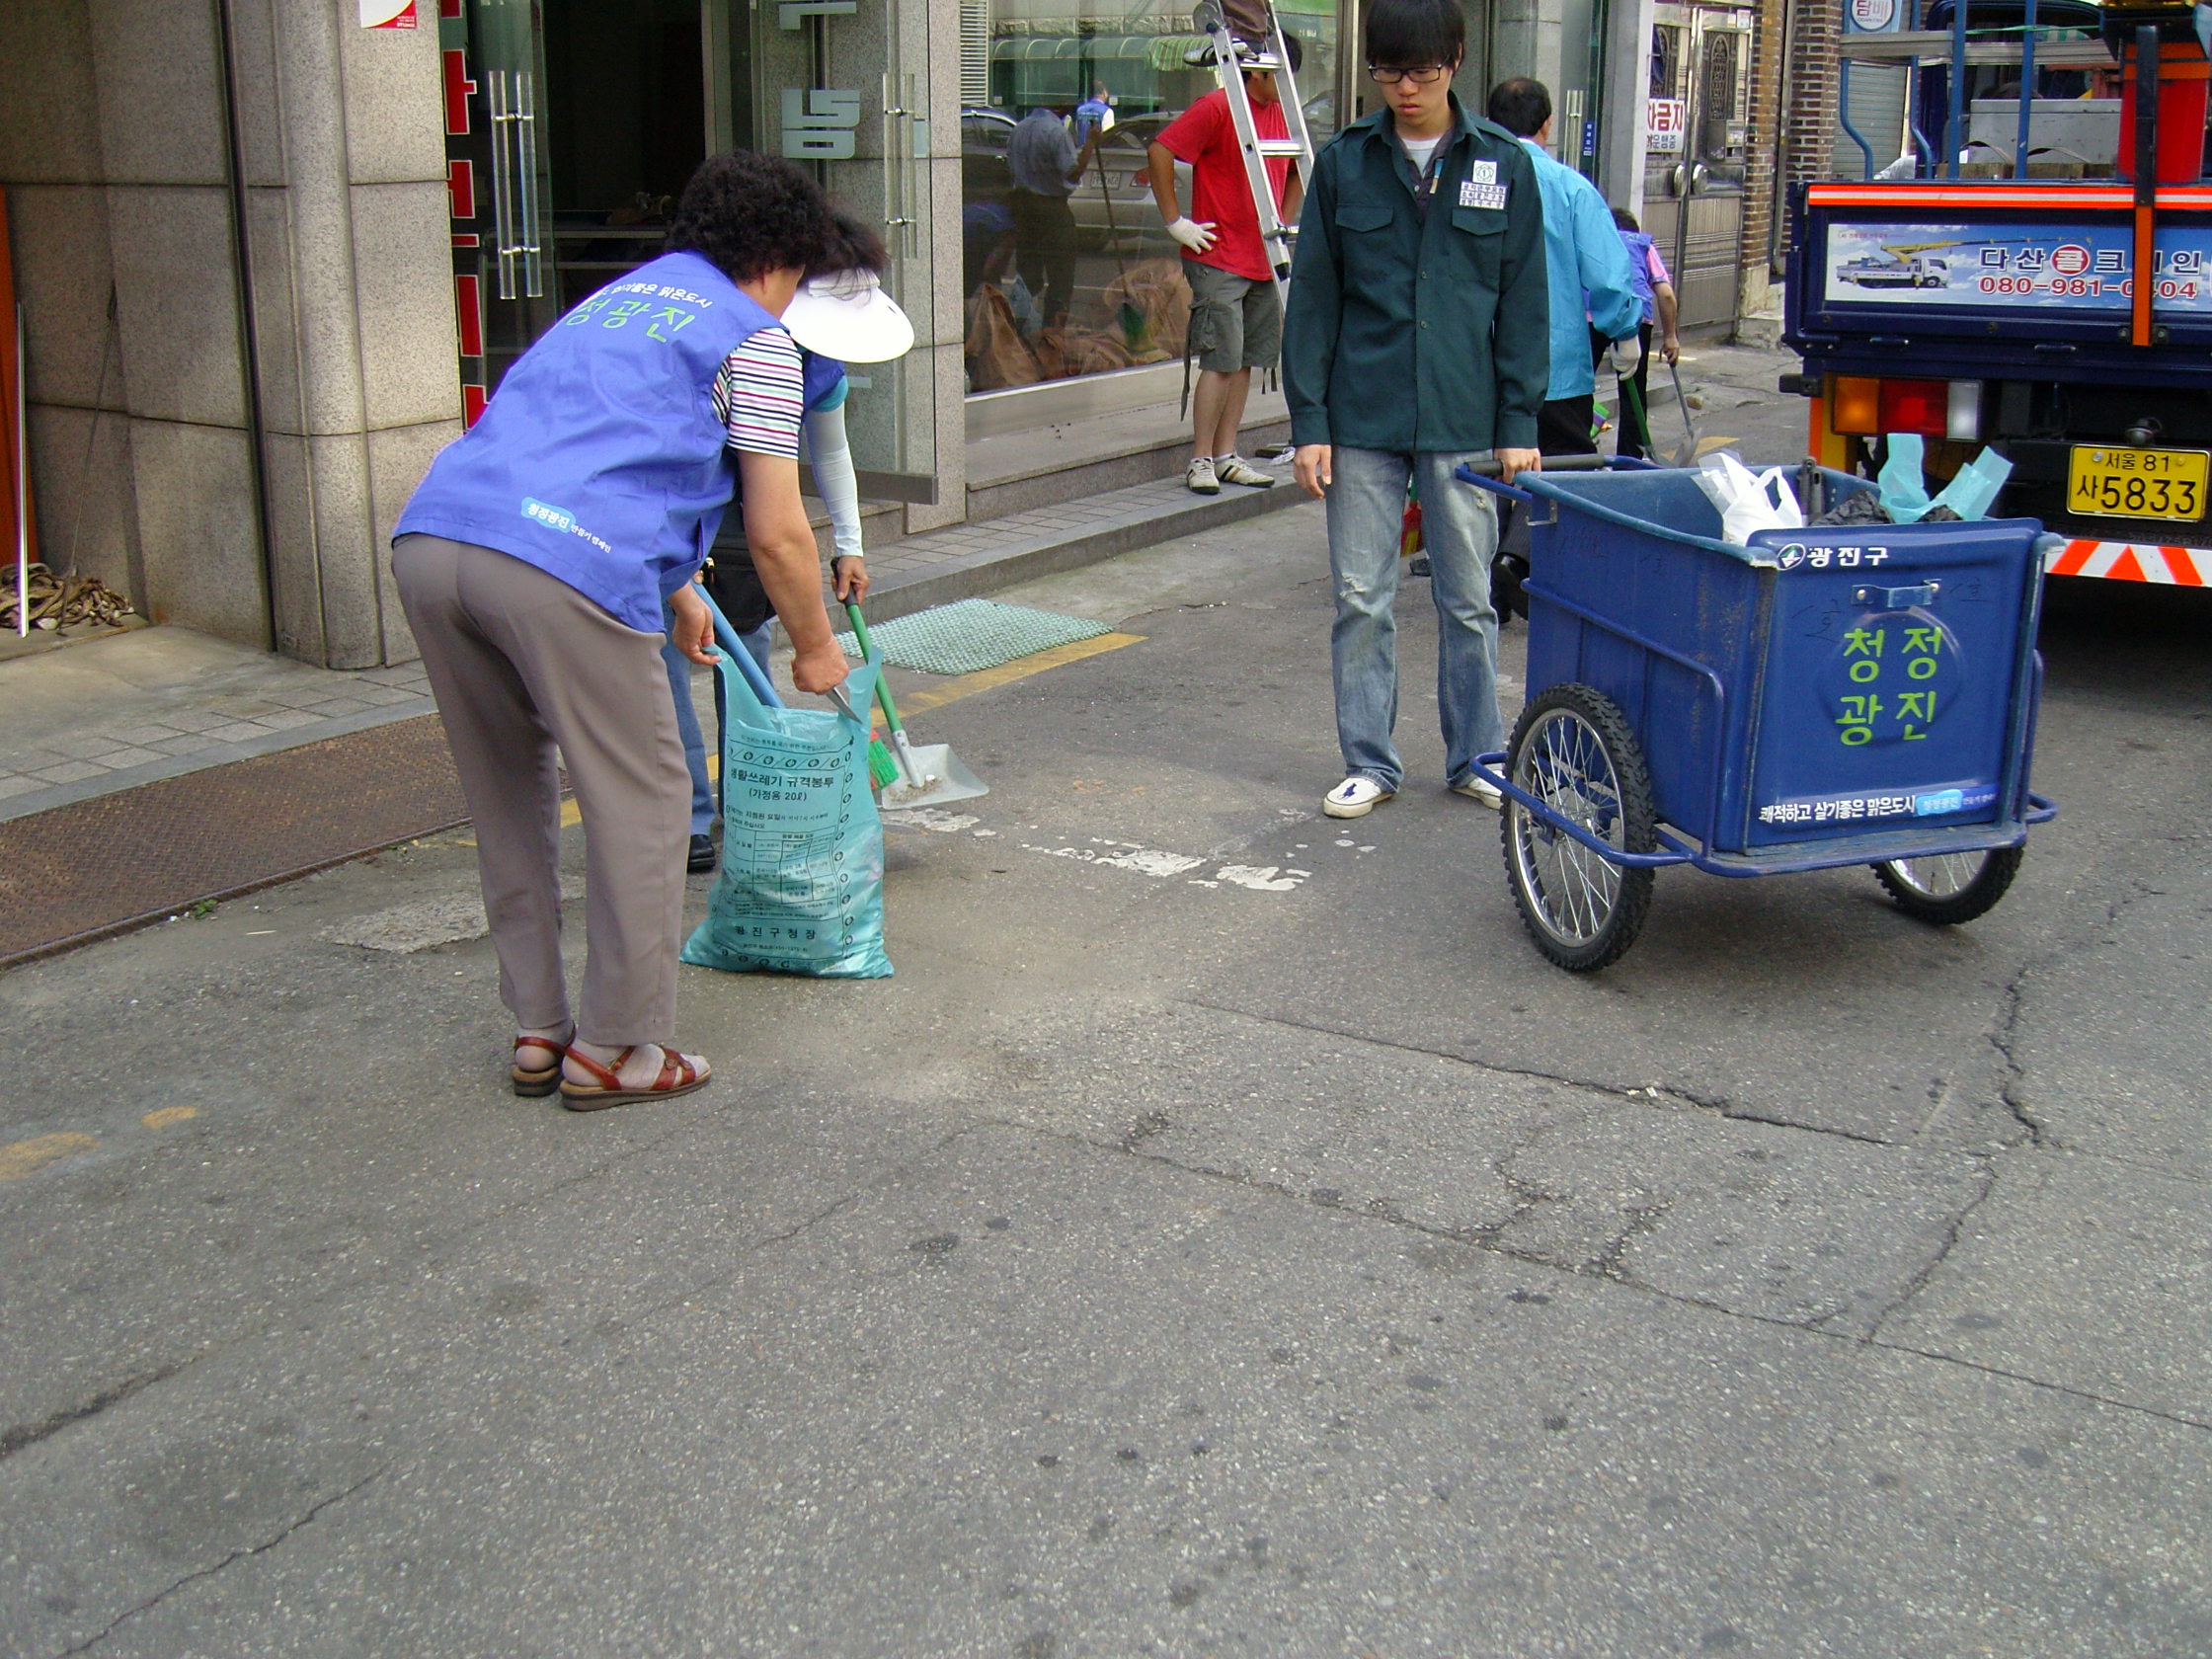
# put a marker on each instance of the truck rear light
(1857, 408)
(1964, 415)
(1915, 406)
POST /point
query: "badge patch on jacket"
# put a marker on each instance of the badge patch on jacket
(1475, 192)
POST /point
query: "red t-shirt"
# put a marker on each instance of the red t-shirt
(1206, 137)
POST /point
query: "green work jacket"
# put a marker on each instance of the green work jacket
(1414, 334)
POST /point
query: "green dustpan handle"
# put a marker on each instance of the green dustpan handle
(1635, 408)
(868, 654)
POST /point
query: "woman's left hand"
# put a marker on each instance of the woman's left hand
(849, 578)
(693, 633)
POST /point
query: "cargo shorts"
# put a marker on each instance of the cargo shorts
(1235, 322)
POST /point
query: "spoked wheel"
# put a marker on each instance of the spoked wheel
(1952, 886)
(1572, 751)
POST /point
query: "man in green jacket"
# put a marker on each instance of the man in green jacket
(1416, 339)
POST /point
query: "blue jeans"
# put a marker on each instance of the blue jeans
(1366, 509)
(687, 728)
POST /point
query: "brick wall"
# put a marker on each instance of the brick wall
(1809, 94)
(1767, 45)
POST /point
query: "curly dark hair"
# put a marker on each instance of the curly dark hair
(851, 246)
(751, 215)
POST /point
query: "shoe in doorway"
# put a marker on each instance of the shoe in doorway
(1199, 479)
(1356, 797)
(700, 859)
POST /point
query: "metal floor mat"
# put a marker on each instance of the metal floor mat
(80, 872)
(972, 634)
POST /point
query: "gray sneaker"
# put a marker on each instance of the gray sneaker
(1234, 469)
(1199, 477)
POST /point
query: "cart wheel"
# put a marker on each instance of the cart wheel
(1952, 886)
(1571, 750)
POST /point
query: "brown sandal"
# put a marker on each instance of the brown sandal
(678, 1077)
(534, 1084)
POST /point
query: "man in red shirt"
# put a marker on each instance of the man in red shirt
(1237, 322)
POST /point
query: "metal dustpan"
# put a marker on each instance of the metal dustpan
(929, 774)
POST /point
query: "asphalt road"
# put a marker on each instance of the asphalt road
(1266, 1253)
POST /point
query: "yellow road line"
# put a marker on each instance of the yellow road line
(167, 1115)
(18, 1159)
(952, 690)
(1021, 667)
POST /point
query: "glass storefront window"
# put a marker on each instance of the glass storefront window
(1050, 301)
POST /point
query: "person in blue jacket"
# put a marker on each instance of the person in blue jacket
(534, 562)
(1590, 283)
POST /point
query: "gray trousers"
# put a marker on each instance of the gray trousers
(520, 661)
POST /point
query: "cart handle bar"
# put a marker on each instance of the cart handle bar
(1497, 779)
(1483, 474)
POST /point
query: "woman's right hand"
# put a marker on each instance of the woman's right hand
(817, 669)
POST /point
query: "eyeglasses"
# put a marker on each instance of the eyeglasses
(1434, 73)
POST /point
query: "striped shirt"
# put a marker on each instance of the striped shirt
(760, 395)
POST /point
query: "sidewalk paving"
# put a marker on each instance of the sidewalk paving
(155, 703)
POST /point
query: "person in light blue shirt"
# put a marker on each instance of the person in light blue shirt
(1592, 286)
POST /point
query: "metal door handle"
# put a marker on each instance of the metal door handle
(526, 165)
(503, 182)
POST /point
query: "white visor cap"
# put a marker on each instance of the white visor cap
(848, 316)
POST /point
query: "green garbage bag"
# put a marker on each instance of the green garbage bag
(800, 890)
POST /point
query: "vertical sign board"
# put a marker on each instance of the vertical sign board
(463, 199)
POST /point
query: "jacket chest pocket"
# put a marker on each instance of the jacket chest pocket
(1473, 245)
(1364, 233)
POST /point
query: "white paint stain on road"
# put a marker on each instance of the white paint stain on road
(930, 818)
(1260, 878)
(1163, 866)
(1122, 855)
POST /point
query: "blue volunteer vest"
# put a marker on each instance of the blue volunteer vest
(600, 459)
(824, 381)
(1639, 267)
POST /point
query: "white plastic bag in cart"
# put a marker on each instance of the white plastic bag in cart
(1748, 501)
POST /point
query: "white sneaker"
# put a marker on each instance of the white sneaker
(1234, 469)
(1474, 789)
(1356, 797)
(1199, 477)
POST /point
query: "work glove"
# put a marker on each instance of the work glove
(1197, 237)
(1627, 354)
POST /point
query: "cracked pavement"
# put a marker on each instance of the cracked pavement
(1158, 1267)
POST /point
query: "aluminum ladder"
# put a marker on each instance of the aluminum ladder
(1232, 57)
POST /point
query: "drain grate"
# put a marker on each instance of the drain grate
(972, 634)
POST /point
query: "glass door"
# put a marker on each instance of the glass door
(496, 181)
(841, 87)
(571, 126)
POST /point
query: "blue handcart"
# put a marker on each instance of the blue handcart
(1862, 694)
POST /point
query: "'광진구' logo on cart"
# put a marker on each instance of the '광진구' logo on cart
(1797, 554)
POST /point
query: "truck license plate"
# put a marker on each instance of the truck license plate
(2126, 483)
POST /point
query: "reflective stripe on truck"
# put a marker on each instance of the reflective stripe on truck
(2134, 560)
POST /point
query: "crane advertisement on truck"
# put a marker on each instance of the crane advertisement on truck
(2067, 322)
